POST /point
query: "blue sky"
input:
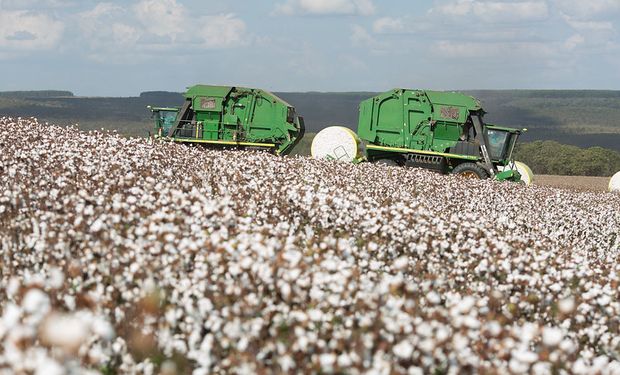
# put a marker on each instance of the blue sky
(122, 48)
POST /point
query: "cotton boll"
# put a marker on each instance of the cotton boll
(401, 263)
(403, 350)
(10, 317)
(433, 298)
(103, 329)
(56, 278)
(286, 363)
(568, 346)
(542, 368)
(552, 336)
(49, 366)
(13, 286)
(567, 305)
(36, 302)
(67, 332)
(96, 226)
(327, 361)
(525, 356)
(414, 370)
(344, 360)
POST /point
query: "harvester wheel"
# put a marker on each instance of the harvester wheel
(470, 170)
(387, 162)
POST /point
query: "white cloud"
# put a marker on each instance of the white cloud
(493, 50)
(221, 31)
(309, 62)
(95, 21)
(133, 33)
(168, 18)
(361, 38)
(25, 31)
(573, 42)
(388, 25)
(495, 11)
(34, 4)
(125, 35)
(515, 35)
(326, 7)
(100, 10)
(108, 32)
(598, 34)
(596, 26)
(586, 9)
(162, 17)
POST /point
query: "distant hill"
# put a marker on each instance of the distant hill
(128, 115)
(580, 118)
(585, 118)
(174, 98)
(40, 94)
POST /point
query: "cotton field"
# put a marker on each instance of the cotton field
(120, 256)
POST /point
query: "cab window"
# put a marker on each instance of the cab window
(498, 141)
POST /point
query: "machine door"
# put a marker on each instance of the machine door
(236, 117)
(419, 134)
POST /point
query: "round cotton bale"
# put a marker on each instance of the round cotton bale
(527, 176)
(338, 143)
(614, 183)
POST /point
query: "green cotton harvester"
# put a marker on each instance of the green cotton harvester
(441, 131)
(226, 116)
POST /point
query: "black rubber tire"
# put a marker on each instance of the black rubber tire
(471, 170)
(387, 162)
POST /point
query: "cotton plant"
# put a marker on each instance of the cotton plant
(122, 255)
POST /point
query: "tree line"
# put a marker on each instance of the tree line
(550, 157)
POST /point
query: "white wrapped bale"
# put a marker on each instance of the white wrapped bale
(614, 183)
(338, 143)
(527, 176)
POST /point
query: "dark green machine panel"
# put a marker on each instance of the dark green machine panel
(415, 119)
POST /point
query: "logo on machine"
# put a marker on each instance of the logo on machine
(450, 112)
(207, 103)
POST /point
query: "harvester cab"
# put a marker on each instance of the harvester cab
(495, 143)
(502, 142)
(164, 119)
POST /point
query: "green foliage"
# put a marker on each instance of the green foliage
(550, 157)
